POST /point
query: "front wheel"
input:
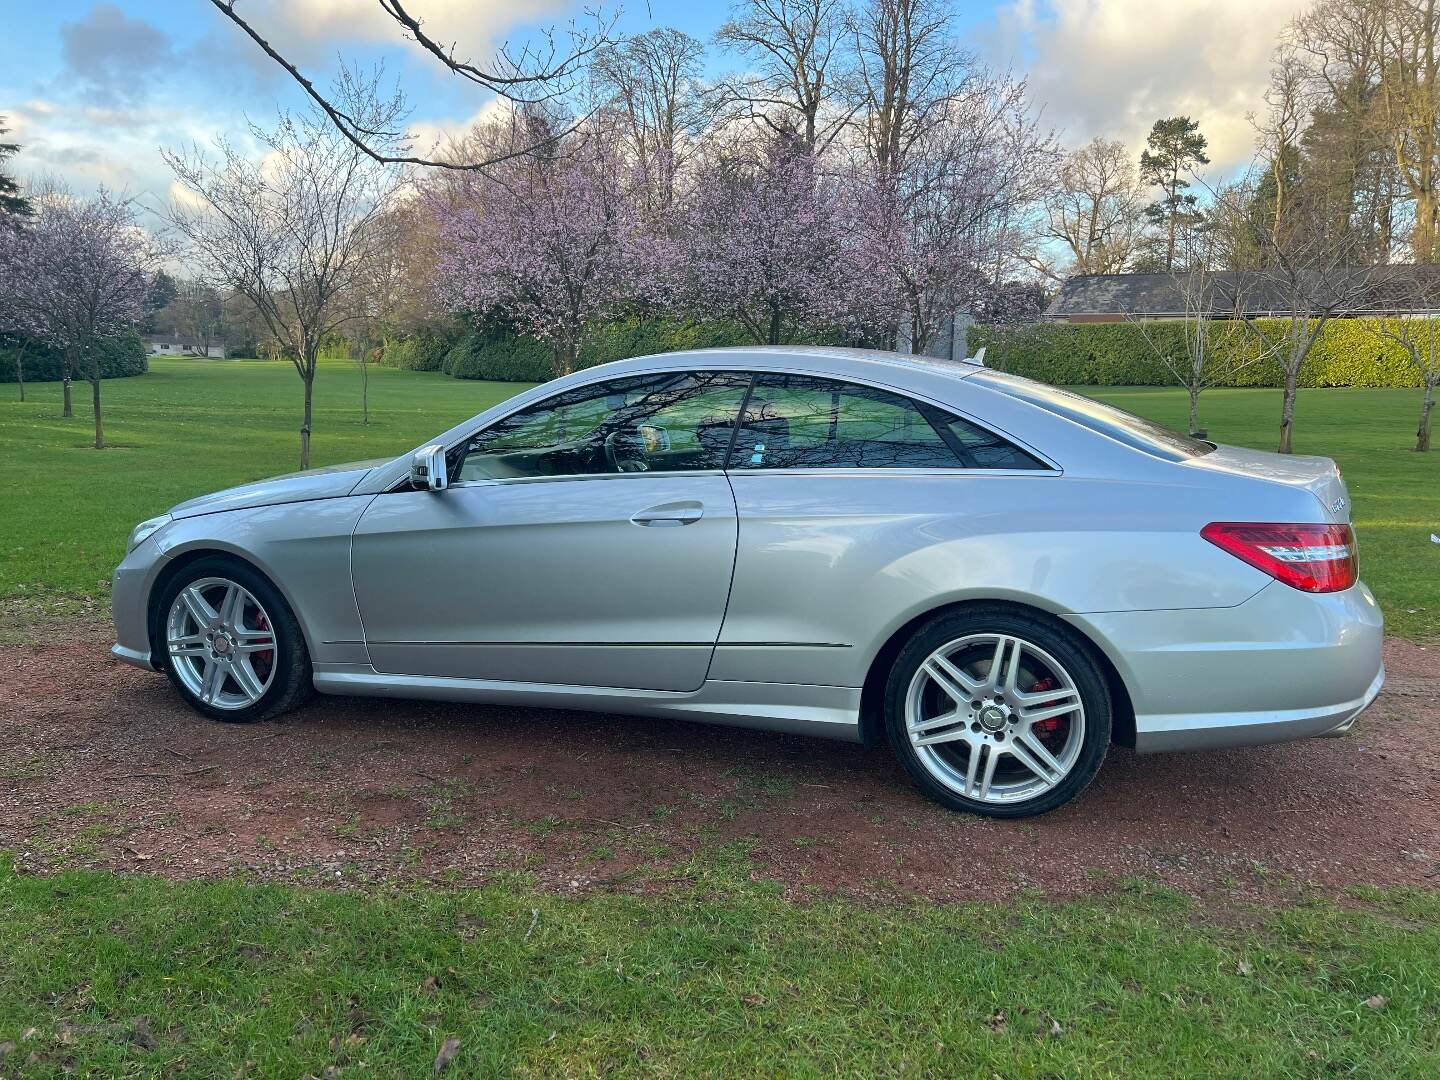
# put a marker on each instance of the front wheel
(998, 711)
(230, 643)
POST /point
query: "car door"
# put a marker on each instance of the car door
(838, 485)
(587, 540)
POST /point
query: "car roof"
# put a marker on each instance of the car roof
(832, 359)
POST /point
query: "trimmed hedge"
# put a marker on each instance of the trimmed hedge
(1349, 353)
(503, 356)
(120, 358)
(499, 356)
(422, 352)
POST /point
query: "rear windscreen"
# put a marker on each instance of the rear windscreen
(1132, 430)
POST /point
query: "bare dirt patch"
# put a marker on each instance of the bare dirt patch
(101, 765)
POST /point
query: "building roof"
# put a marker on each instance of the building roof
(1378, 290)
(173, 339)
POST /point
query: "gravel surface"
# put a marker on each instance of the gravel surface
(101, 765)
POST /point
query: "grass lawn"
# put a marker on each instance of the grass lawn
(194, 426)
(113, 975)
(137, 976)
(188, 427)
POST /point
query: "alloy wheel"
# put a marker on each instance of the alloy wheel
(221, 643)
(995, 718)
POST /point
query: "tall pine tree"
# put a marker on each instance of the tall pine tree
(13, 205)
(1175, 148)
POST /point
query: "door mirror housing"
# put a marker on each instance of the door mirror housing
(427, 469)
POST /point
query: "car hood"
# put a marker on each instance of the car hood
(327, 483)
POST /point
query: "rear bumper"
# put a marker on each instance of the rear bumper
(1283, 665)
(1186, 732)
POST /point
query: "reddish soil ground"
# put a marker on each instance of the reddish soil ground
(101, 765)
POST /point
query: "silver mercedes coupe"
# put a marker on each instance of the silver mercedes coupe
(999, 577)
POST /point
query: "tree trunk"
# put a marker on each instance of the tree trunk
(1427, 404)
(20, 369)
(1173, 193)
(565, 355)
(69, 409)
(1287, 411)
(95, 404)
(1422, 239)
(919, 332)
(775, 324)
(1194, 408)
(309, 414)
(365, 386)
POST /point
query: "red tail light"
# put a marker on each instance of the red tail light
(1311, 558)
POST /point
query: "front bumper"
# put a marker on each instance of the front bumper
(1283, 665)
(133, 657)
(129, 604)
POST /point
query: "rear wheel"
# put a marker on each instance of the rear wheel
(230, 643)
(998, 711)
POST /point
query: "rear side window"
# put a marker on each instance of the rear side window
(1134, 431)
(803, 422)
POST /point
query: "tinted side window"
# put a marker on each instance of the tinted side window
(981, 449)
(802, 422)
(649, 423)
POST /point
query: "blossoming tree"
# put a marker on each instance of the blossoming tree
(551, 242)
(76, 274)
(765, 238)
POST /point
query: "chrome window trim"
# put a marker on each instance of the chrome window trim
(851, 471)
(571, 477)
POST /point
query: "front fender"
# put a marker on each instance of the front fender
(303, 548)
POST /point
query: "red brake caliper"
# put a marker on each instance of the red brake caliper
(1052, 725)
(263, 660)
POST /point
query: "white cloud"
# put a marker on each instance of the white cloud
(1114, 67)
(473, 27)
(429, 138)
(74, 144)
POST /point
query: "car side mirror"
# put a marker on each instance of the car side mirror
(427, 469)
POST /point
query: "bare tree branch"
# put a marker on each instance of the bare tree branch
(550, 79)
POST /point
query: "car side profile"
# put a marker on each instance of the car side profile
(999, 577)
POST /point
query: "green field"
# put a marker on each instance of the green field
(188, 427)
(715, 973)
(138, 977)
(193, 426)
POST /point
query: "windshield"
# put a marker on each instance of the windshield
(1134, 431)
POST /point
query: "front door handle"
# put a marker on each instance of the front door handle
(670, 514)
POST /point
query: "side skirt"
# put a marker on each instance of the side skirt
(829, 712)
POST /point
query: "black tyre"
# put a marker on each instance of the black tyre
(999, 711)
(230, 643)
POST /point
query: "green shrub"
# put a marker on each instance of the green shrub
(499, 356)
(1349, 352)
(120, 357)
(646, 337)
(419, 352)
(502, 355)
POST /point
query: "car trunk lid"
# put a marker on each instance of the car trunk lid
(1318, 475)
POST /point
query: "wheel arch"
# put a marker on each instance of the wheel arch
(872, 694)
(177, 563)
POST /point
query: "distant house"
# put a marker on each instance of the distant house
(173, 345)
(1109, 298)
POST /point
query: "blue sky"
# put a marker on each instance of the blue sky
(93, 89)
